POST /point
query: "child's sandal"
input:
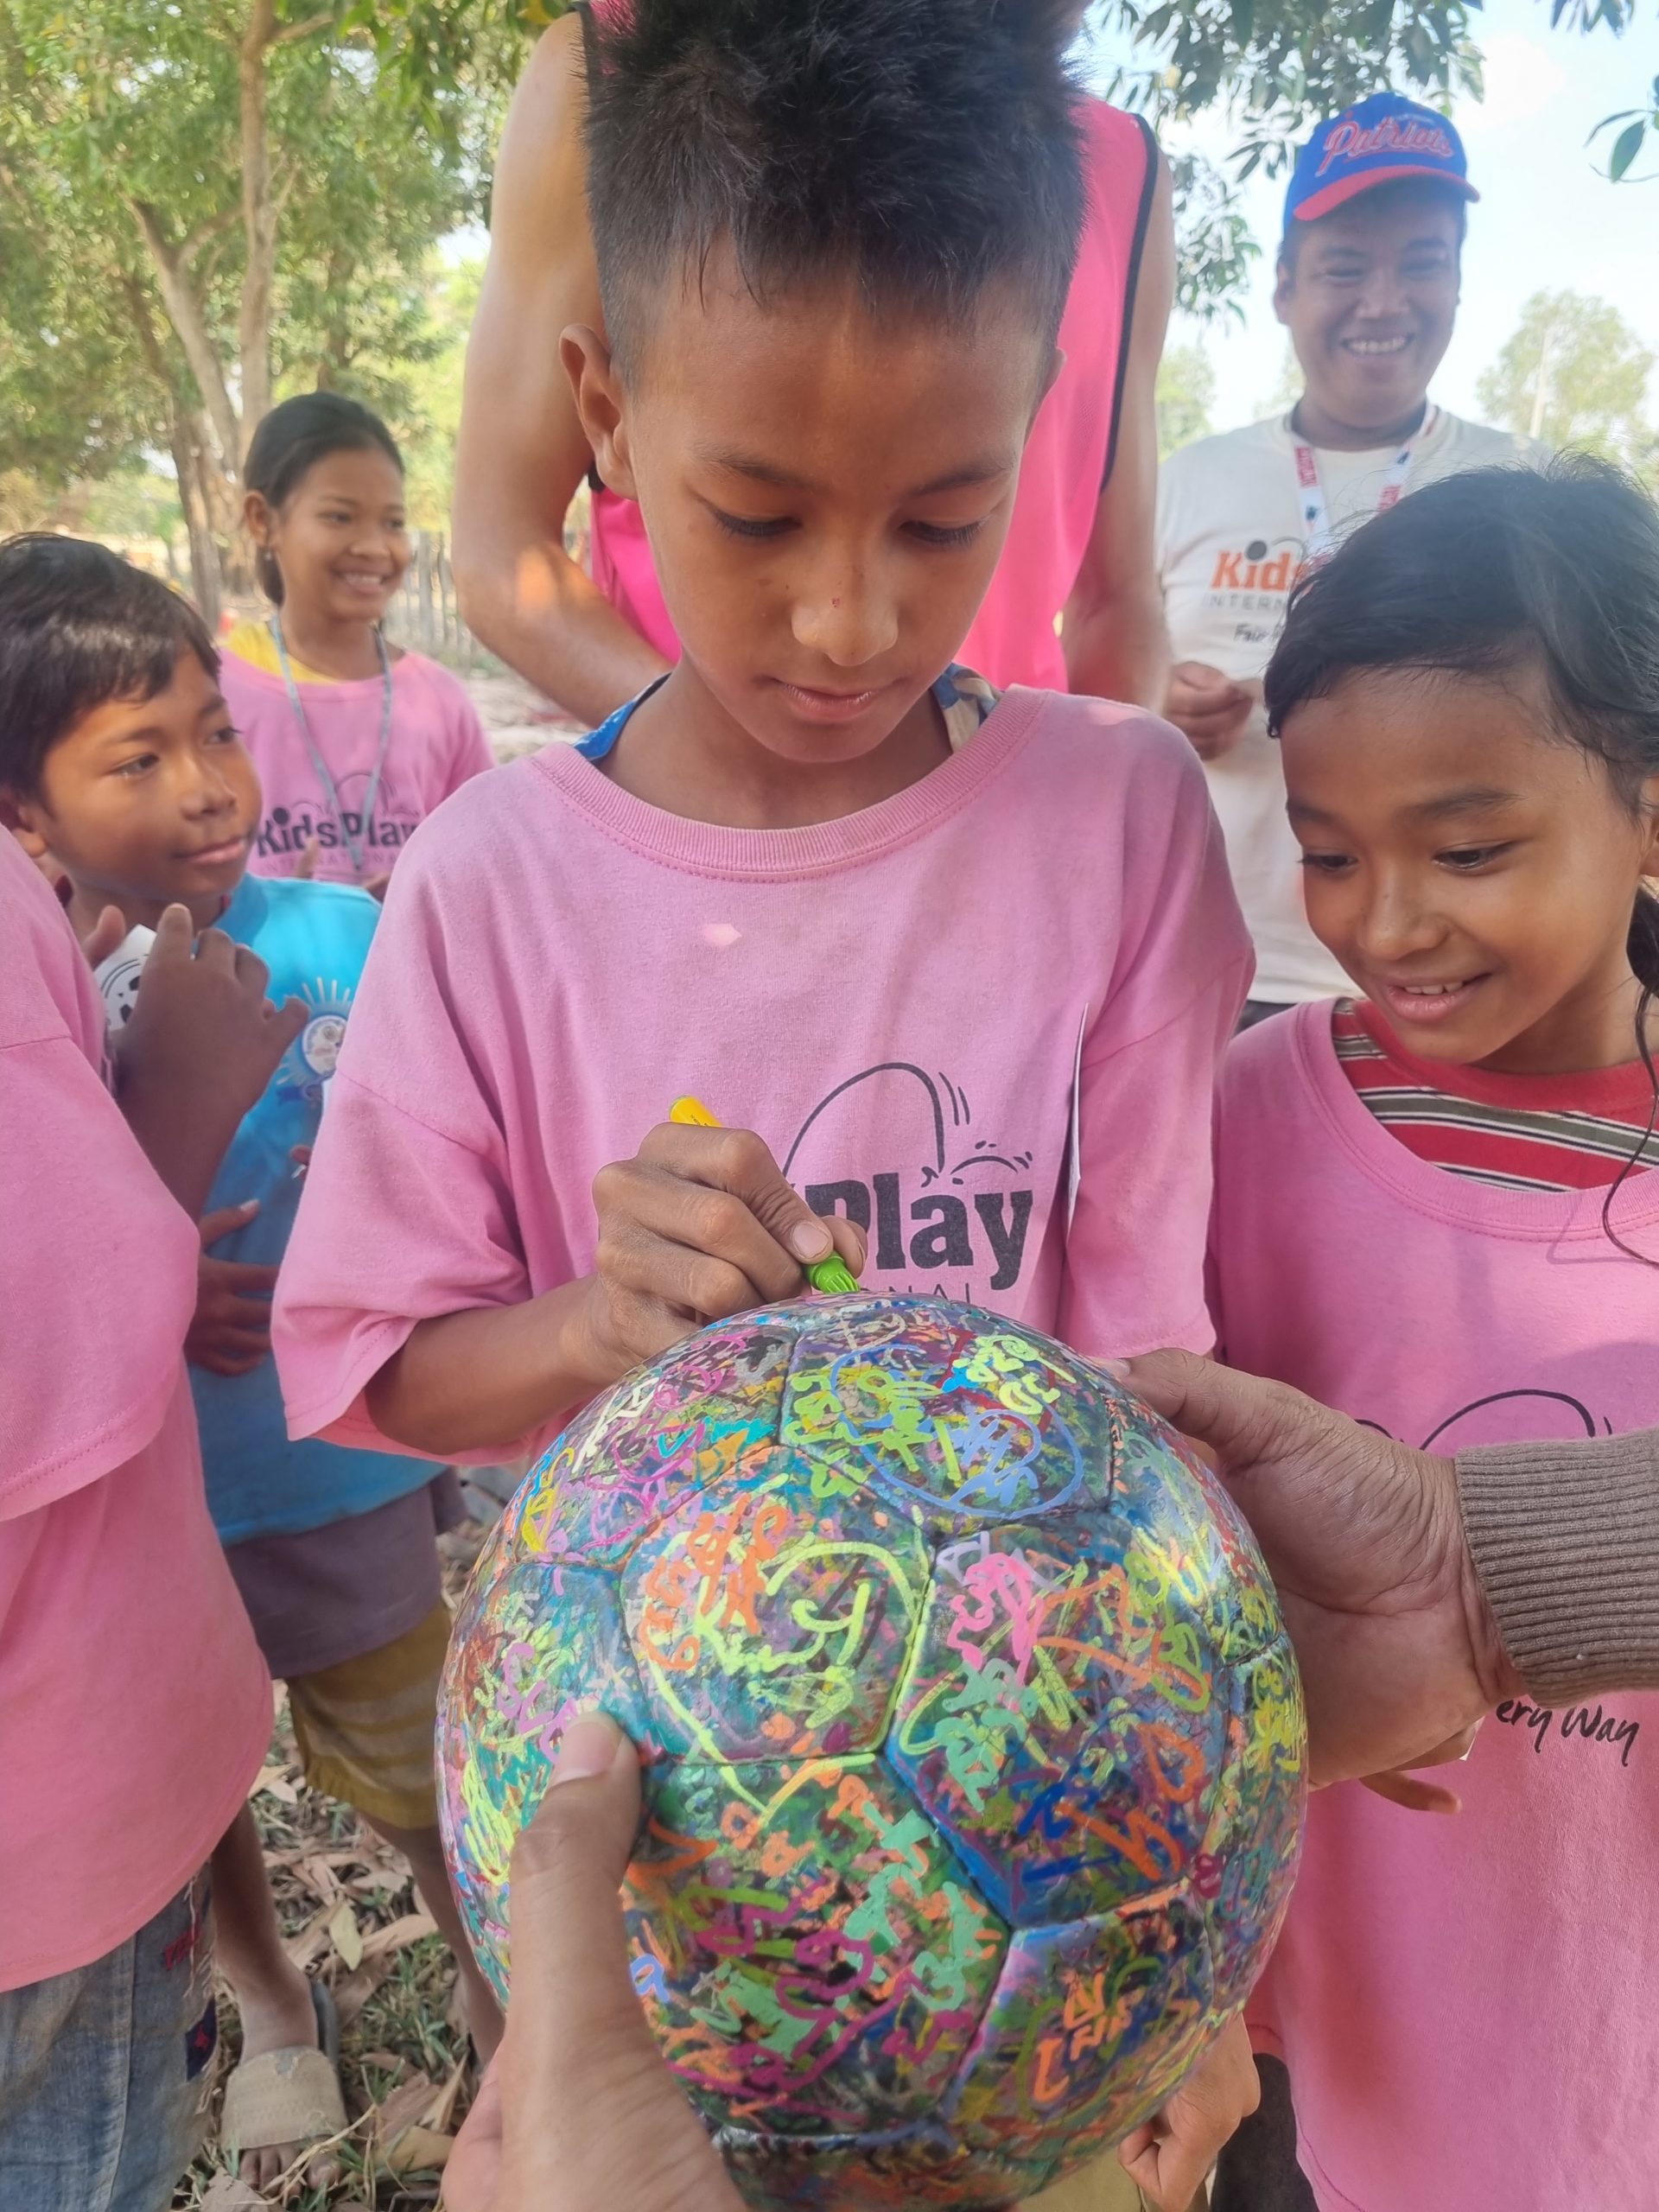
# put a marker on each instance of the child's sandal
(291, 2095)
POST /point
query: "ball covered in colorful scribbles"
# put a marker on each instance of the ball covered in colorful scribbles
(976, 1744)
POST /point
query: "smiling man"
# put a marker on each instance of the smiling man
(1369, 270)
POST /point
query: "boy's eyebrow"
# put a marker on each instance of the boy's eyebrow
(1476, 799)
(985, 469)
(1479, 798)
(218, 704)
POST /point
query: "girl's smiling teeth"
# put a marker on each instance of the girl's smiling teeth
(1374, 345)
(1427, 1001)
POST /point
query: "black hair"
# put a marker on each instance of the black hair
(1297, 231)
(291, 440)
(80, 627)
(1494, 573)
(920, 148)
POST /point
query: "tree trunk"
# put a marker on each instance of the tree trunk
(204, 551)
(184, 312)
(259, 218)
(190, 440)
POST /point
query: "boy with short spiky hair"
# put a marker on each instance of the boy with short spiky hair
(961, 965)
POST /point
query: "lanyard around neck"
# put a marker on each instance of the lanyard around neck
(1316, 514)
(330, 789)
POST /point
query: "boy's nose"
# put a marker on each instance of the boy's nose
(209, 792)
(1382, 296)
(849, 620)
(1395, 924)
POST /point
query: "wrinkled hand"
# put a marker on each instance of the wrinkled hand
(701, 1224)
(1209, 708)
(1365, 1539)
(201, 1045)
(1168, 2158)
(579, 2110)
(230, 1332)
(1406, 1786)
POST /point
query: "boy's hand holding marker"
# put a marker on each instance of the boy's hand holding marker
(700, 1225)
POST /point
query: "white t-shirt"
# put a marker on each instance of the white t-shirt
(1230, 545)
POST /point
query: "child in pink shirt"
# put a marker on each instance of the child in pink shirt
(134, 1706)
(355, 740)
(1436, 1211)
(957, 967)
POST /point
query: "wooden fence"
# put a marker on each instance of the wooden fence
(424, 614)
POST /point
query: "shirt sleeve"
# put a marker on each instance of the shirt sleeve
(407, 1212)
(98, 1264)
(1565, 1539)
(1135, 1272)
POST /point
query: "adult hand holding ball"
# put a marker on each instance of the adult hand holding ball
(975, 1745)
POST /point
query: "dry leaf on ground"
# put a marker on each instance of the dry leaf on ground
(346, 1936)
(230, 2193)
(420, 2150)
(397, 1935)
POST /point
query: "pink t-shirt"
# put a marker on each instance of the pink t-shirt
(436, 743)
(912, 1006)
(1466, 2005)
(1067, 456)
(134, 1706)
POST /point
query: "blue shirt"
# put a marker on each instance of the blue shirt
(314, 938)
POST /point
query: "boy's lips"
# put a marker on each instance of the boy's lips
(829, 706)
(1425, 1003)
(227, 848)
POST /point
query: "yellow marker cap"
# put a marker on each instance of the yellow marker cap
(692, 1113)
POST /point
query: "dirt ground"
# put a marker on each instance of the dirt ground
(350, 1915)
(516, 718)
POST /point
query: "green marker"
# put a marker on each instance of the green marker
(832, 1277)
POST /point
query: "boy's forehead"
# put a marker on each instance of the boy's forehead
(812, 378)
(190, 695)
(1389, 216)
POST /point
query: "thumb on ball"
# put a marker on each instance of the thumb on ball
(570, 1962)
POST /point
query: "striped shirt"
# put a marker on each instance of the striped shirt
(1524, 1132)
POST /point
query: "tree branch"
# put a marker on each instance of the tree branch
(185, 313)
(291, 34)
(209, 229)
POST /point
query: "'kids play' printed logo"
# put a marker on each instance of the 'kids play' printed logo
(1250, 584)
(288, 831)
(947, 1212)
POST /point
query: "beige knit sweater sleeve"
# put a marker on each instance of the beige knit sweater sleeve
(1565, 1539)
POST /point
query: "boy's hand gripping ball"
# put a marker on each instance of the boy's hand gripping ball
(976, 1744)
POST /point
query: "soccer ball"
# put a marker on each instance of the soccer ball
(976, 1744)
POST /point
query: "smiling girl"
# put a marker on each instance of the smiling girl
(1436, 1212)
(355, 740)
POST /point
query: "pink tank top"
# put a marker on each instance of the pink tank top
(1068, 458)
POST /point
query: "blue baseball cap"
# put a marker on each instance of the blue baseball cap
(1376, 141)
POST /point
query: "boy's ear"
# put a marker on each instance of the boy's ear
(1284, 284)
(600, 403)
(21, 818)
